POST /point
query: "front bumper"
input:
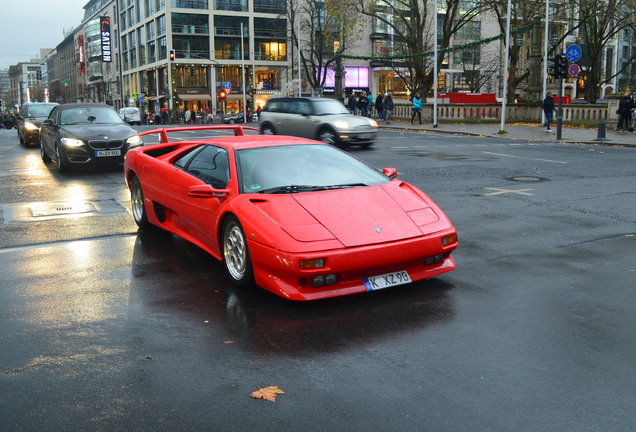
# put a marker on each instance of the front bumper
(280, 273)
(357, 136)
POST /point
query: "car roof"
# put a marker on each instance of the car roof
(39, 103)
(311, 99)
(83, 105)
(256, 141)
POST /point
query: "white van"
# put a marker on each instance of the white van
(130, 115)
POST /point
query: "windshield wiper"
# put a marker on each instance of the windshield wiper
(306, 188)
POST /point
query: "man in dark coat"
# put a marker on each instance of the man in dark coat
(625, 109)
(548, 110)
(351, 103)
(379, 106)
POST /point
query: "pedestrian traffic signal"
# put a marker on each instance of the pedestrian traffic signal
(552, 66)
(222, 95)
(172, 55)
(562, 66)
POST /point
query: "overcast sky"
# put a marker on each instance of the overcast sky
(28, 25)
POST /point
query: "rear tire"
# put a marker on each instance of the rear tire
(236, 255)
(138, 203)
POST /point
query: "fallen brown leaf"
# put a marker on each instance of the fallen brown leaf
(267, 393)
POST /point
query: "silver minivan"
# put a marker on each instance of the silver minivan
(323, 119)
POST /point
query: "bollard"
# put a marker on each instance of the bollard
(600, 136)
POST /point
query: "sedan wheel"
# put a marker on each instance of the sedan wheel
(327, 136)
(43, 155)
(137, 200)
(235, 253)
(62, 165)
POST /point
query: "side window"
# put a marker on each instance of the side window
(53, 114)
(183, 161)
(212, 166)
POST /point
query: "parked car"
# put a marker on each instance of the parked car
(30, 119)
(85, 134)
(130, 115)
(239, 118)
(324, 119)
(300, 218)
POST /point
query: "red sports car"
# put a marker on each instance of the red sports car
(297, 217)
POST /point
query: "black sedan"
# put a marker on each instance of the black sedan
(84, 134)
(30, 119)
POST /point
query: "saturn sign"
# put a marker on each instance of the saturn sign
(104, 23)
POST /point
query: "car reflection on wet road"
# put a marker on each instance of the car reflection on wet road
(106, 328)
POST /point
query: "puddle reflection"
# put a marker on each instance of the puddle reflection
(172, 278)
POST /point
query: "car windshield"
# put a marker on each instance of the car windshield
(40, 110)
(302, 168)
(84, 115)
(329, 106)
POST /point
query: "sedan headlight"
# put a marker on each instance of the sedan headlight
(72, 142)
(373, 122)
(30, 126)
(341, 124)
(134, 141)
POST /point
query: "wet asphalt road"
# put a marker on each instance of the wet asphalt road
(104, 328)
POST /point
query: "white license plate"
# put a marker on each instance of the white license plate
(106, 153)
(364, 136)
(386, 280)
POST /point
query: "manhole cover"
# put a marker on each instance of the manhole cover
(528, 179)
(54, 209)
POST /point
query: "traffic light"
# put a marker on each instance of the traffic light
(172, 55)
(562, 66)
(222, 95)
(552, 66)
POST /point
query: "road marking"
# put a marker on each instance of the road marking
(500, 191)
(520, 157)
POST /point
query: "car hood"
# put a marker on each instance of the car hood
(98, 131)
(356, 216)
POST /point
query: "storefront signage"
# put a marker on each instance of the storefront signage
(80, 47)
(105, 35)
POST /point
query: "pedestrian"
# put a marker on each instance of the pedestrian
(182, 116)
(351, 103)
(259, 109)
(370, 104)
(625, 109)
(388, 107)
(164, 115)
(188, 116)
(363, 103)
(548, 110)
(379, 106)
(417, 108)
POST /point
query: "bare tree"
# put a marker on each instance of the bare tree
(478, 69)
(325, 28)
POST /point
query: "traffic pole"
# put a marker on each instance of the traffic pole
(560, 110)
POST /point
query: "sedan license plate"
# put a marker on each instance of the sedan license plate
(386, 280)
(106, 153)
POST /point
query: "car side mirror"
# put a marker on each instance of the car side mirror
(47, 122)
(207, 191)
(390, 172)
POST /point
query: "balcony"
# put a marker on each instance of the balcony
(190, 4)
(190, 29)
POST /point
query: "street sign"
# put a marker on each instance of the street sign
(573, 53)
(574, 69)
(227, 85)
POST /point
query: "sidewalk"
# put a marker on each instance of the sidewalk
(525, 132)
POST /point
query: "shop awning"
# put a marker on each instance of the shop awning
(195, 97)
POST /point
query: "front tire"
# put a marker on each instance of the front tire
(236, 255)
(62, 165)
(45, 157)
(328, 137)
(267, 130)
(137, 203)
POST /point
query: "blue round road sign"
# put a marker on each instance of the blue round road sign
(574, 70)
(573, 53)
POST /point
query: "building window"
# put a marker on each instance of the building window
(161, 25)
(142, 46)
(270, 6)
(270, 39)
(193, 47)
(190, 4)
(191, 76)
(227, 43)
(163, 48)
(471, 30)
(190, 23)
(231, 5)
